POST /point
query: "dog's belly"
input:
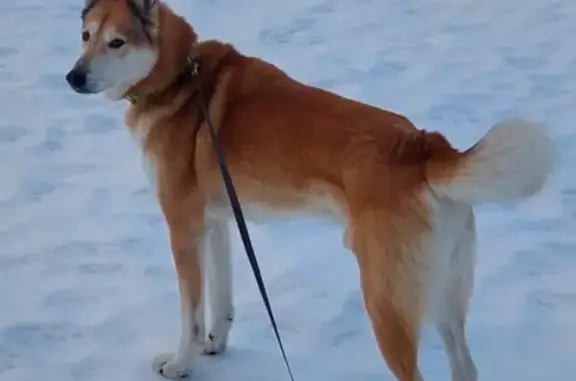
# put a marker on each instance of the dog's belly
(262, 213)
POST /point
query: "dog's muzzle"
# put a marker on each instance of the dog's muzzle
(77, 79)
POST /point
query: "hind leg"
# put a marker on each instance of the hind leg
(397, 336)
(452, 322)
(452, 333)
(453, 336)
(389, 286)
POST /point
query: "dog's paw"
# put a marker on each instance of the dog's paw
(217, 342)
(169, 366)
(215, 345)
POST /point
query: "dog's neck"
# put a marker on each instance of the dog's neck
(175, 40)
(188, 76)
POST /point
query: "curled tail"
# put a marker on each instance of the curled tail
(512, 161)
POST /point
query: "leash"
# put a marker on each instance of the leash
(240, 221)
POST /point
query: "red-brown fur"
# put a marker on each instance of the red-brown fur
(285, 142)
(290, 146)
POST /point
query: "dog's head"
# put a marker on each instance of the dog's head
(119, 49)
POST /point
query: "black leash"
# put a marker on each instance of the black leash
(240, 222)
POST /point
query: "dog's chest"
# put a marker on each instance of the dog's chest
(140, 127)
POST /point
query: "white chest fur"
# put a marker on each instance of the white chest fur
(140, 130)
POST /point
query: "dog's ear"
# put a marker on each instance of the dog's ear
(88, 5)
(146, 6)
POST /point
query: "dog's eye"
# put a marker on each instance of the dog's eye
(85, 36)
(116, 43)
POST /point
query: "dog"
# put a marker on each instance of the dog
(404, 195)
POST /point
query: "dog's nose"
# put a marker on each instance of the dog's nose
(76, 79)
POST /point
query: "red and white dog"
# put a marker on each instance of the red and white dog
(404, 195)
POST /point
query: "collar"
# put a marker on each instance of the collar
(191, 70)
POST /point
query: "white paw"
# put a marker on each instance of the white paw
(169, 366)
(216, 345)
(218, 337)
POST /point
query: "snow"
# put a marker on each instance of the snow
(86, 278)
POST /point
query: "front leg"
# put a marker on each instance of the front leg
(186, 235)
(219, 276)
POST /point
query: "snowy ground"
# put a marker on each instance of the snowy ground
(86, 279)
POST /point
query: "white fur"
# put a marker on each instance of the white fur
(512, 161)
(253, 212)
(110, 34)
(140, 133)
(92, 27)
(216, 270)
(118, 69)
(219, 278)
(180, 364)
(311, 204)
(199, 314)
(193, 332)
(151, 172)
(451, 256)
